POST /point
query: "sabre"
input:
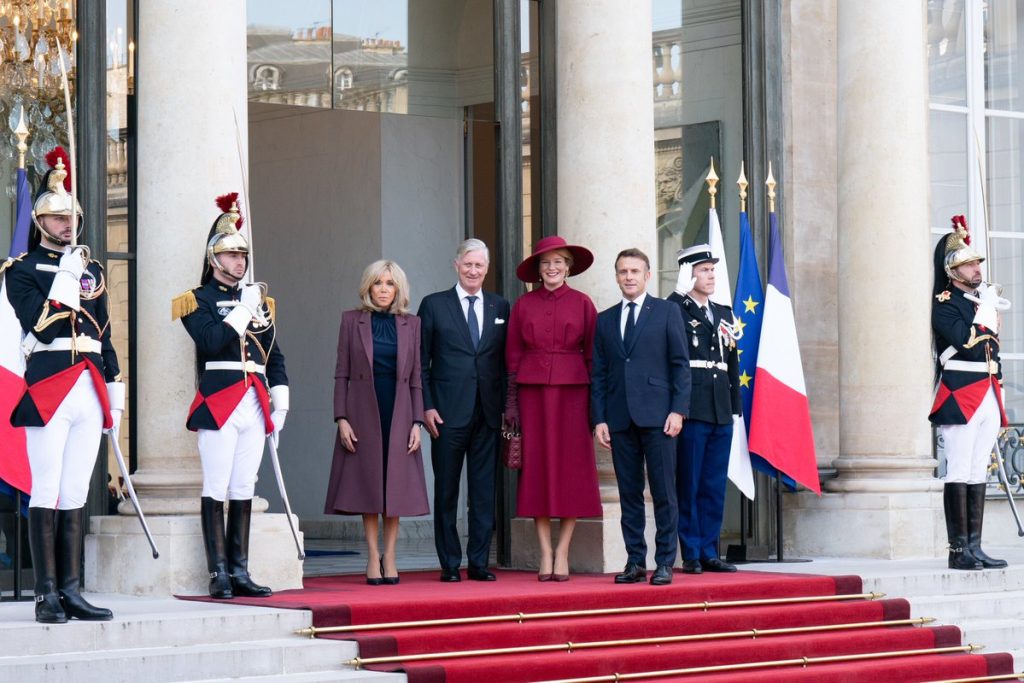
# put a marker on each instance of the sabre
(1001, 469)
(71, 143)
(131, 490)
(272, 442)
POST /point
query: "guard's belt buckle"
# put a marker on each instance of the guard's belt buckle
(250, 366)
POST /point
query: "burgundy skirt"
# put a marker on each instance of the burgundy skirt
(559, 474)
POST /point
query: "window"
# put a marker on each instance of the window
(342, 80)
(267, 78)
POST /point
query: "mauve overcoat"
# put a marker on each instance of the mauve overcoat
(356, 485)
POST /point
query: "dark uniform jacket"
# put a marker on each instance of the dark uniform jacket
(454, 373)
(220, 391)
(714, 371)
(50, 374)
(968, 360)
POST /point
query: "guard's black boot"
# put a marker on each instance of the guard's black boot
(69, 568)
(41, 523)
(954, 498)
(212, 518)
(239, 512)
(975, 516)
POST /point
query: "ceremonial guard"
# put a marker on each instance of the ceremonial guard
(968, 408)
(241, 374)
(74, 390)
(704, 444)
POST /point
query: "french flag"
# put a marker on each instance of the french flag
(780, 419)
(14, 468)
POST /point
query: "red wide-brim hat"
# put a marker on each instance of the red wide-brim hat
(528, 271)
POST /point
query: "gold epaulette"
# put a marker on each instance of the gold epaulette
(272, 307)
(10, 261)
(183, 304)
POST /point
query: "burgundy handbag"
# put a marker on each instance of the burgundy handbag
(512, 449)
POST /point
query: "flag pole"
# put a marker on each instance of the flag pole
(742, 183)
(779, 540)
(712, 179)
(22, 132)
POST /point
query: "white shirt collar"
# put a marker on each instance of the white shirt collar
(462, 294)
(639, 301)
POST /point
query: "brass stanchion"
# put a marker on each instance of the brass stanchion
(753, 634)
(520, 617)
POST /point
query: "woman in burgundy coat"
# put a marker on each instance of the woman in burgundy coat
(548, 354)
(378, 406)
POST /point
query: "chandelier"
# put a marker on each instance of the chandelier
(30, 71)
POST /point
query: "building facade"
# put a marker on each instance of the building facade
(359, 130)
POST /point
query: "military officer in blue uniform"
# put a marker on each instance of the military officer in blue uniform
(968, 408)
(74, 391)
(242, 396)
(703, 447)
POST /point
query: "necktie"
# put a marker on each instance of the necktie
(474, 326)
(707, 314)
(627, 335)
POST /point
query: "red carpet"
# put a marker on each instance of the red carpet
(347, 600)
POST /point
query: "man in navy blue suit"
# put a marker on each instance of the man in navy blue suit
(640, 395)
(463, 357)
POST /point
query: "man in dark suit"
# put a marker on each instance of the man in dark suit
(706, 440)
(640, 395)
(463, 355)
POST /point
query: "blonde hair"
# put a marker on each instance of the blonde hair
(374, 272)
(564, 253)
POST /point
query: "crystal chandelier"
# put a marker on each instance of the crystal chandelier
(30, 80)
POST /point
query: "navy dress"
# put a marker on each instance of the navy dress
(385, 372)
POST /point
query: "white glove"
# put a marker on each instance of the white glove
(279, 399)
(686, 279)
(252, 298)
(67, 286)
(115, 393)
(987, 298)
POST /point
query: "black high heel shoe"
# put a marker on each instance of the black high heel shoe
(387, 580)
(378, 581)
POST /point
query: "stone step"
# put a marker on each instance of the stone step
(997, 635)
(940, 580)
(175, 663)
(345, 675)
(952, 609)
(145, 623)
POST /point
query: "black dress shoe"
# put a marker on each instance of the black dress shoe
(662, 576)
(633, 573)
(450, 575)
(717, 565)
(480, 574)
(692, 567)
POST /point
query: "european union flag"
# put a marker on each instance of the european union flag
(748, 309)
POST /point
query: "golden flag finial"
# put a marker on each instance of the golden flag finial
(22, 132)
(770, 182)
(712, 180)
(742, 182)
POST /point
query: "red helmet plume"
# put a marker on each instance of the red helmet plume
(224, 203)
(961, 222)
(58, 153)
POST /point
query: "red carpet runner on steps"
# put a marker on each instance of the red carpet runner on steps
(347, 600)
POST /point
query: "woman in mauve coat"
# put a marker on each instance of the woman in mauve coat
(548, 355)
(378, 407)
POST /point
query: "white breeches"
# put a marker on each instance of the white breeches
(62, 454)
(231, 455)
(968, 447)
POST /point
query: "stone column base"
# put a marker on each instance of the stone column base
(118, 558)
(893, 526)
(597, 545)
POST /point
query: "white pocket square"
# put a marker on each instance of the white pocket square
(499, 321)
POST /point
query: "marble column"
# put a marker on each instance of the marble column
(192, 141)
(885, 484)
(606, 198)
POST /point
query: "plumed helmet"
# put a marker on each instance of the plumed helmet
(54, 195)
(224, 235)
(953, 251)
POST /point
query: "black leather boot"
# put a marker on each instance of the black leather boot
(41, 525)
(975, 517)
(954, 498)
(69, 568)
(211, 514)
(239, 512)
